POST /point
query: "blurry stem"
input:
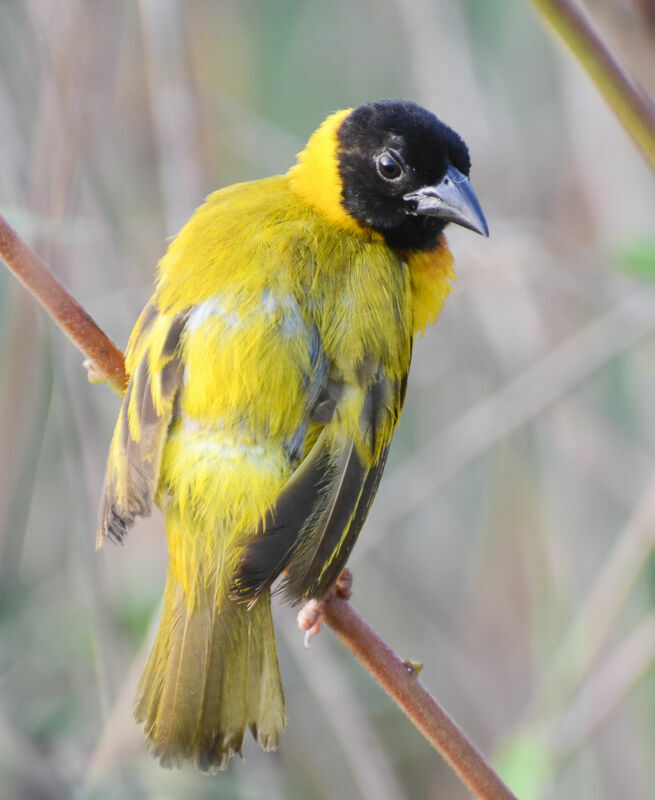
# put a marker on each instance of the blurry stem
(120, 740)
(590, 629)
(362, 753)
(400, 681)
(28, 375)
(626, 97)
(38, 775)
(395, 677)
(605, 689)
(106, 360)
(497, 415)
(175, 120)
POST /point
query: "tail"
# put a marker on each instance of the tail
(211, 673)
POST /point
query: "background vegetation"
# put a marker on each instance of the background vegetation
(509, 546)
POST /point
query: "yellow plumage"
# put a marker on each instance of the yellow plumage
(269, 365)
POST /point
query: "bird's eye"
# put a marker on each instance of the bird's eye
(388, 166)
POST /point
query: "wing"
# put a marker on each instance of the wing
(132, 473)
(320, 511)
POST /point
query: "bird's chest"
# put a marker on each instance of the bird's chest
(364, 316)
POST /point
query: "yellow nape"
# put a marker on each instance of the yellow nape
(315, 178)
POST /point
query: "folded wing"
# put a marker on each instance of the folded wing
(133, 465)
(312, 528)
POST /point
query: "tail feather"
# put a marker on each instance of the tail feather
(266, 715)
(211, 673)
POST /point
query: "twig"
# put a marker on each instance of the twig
(400, 682)
(106, 359)
(625, 96)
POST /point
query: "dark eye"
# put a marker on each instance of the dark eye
(388, 166)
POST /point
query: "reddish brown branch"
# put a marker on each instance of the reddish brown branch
(399, 680)
(106, 359)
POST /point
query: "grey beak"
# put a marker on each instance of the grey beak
(452, 199)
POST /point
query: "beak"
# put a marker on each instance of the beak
(453, 200)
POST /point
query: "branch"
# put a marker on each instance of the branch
(625, 96)
(106, 360)
(400, 681)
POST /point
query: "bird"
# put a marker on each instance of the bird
(268, 373)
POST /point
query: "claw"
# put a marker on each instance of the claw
(310, 619)
(93, 373)
(344, 584)
(311, 615)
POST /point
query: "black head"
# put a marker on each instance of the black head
(404, 173)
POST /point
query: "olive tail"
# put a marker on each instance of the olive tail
(212, 672)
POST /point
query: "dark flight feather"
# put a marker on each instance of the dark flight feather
(316, 582)
(266, 557)
(319, 513)
(133, 466)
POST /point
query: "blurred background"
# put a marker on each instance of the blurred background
(509, 547)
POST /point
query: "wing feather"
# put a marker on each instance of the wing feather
(319, 513)
(133, 465)
(318, 580)
(266, 557)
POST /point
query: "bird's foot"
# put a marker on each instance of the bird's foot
(312, 614)
(93, 373)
